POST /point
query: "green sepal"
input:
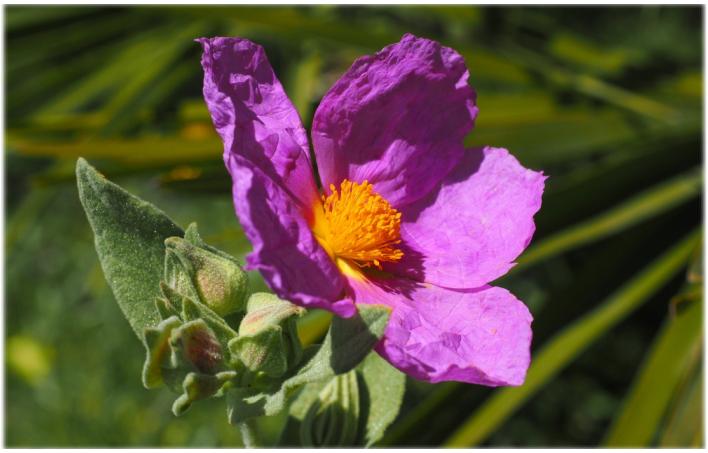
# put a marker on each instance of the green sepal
(267, 340)
(264, 352)
(215, 279)
(171, 296)
(129, 238)
(264, 310)
(347, 343)
(177, 277)
(191, 234)
(191, 310)
(165, 308)
(197, 386)
(194, 310)
(156, 342)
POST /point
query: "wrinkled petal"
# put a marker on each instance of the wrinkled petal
(470, 231)
(480, 336)
(284, 250)
(254, 116)
(396, 119)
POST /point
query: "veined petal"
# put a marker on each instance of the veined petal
(284, 250)
(397, 119)
(470, 231)
(480, 336)
(254, 116)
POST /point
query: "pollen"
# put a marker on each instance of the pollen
(358, 225)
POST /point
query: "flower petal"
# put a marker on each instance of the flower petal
(469, 231)
(396, 119)
(435, 334)
(254, 116)
(284, 250)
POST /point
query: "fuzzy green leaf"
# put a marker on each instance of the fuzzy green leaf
(382, 396)
(129, 238)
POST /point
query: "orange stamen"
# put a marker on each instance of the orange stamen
(358, 225)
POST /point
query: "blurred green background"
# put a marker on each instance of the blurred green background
(607, 101)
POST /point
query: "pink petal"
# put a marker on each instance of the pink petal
(470, 231)
(254, 116)
(480, 336)
(396, 119)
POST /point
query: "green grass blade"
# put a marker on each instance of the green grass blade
(570, 342)
(151, 149)
(667, 362)
(684, 427)
(647, 204)
(591, 86)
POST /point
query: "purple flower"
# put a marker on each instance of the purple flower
(407, 216)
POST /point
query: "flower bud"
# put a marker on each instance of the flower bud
(268, 342)
(186, 356)
(216, 280)
(195, 345)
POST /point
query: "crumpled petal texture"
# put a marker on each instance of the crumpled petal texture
(397, 119)
(469, 231)
(284, 249)
(254, 116)
(480, 336)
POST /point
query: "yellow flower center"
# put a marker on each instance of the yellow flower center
(356, 225)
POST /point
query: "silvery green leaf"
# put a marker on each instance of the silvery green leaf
(129, 238)
(382, 395)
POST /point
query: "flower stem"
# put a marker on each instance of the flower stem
(248, 434)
